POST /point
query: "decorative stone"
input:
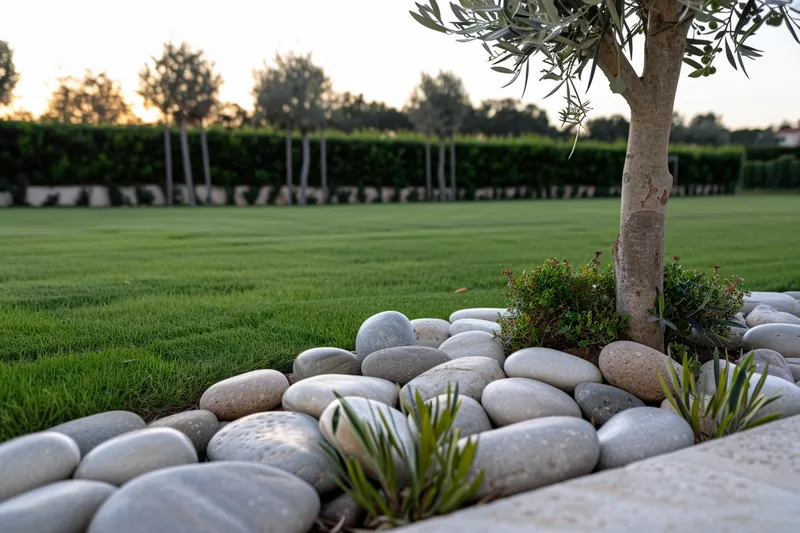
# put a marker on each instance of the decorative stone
(531, 454)
(89, 431)
(640, 433)
(707, 423)
(343, 508)
(384, 330)
(402, 363)
(471, 373)
(431, 331)
(776, 300)
(245, 394)
(492, 314)
(132, 454)
(463, 325)
(34, 460)
(793, 364)
(782, 338)
(553, 367)
(731, 341)
(230, 496)
(289, 441)
(198, 425)
(793, 294)
(474, 344)
(512, 400)
(311, 396)
(62, 507)
(634, 368)
(599, 402)
(777, 364)
(764, 314)
(470, 419)
(319, 361)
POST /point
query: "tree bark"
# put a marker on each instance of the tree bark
(442, 186)
(206, 164)
(428, 182)
(187, 164)
(453, 195)
(168, 162)
(289, 187)
(304, 170)
(323, 156)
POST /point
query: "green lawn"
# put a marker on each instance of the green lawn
(142, 309)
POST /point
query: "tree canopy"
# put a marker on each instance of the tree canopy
(94, 99)
(8, 74)
(439, 104)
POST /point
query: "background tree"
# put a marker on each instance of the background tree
(231, 116)
(572, 35)
(208, 84)
(8, 74)
(424, 120)
(92, 100)
(609, 129)
(507, 116)
(156, 90)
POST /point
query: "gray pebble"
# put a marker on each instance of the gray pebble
(198, 425)
(90, 431)
(512, 400)
(599, 402)
(34, 460)
(384, 330)
(401, 364)
(318, 361)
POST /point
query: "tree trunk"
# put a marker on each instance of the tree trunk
(206, 164)
(289, 187)
(168, 162)
(442, 186)
(453, 195)
(304, 170)
(187, 164)
(428, 182)
(323, 161)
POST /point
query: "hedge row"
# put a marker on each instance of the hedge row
(51, 155)
(780, 173)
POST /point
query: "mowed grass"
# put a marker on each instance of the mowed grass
(143, 309)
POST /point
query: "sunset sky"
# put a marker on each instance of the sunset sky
(372, 47)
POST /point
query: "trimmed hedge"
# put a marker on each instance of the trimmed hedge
(768, 153)
(57, 154)
(780, 173)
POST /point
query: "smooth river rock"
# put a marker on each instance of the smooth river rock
(777, 364)
(470, 419)
(229, 496)
(559, 369)
(431, 331)
(384, 330)
(777, 300)
(463, 325)
(471, 373)
(61, 507)
(199, 425)
(532, 454)
(764, 314)
(492, 314)
(512, 400)
(793, 294)
(474, 344)
(343, 507)
(402, 363)
(793, 364)
(599, 402)
(634, 368)
(319, 361)
(90, 431)
(782, 338)
(642, 432)
(34, 460)
(245, 394)
(132, 454)
(311, 396)
(289, 441)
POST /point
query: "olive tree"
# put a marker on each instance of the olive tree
(94, 99)
(575, 37)
(8, 74)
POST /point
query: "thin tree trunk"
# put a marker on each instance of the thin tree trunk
(323, 157)
(453, 195)
(304, 169)
(187, 164)
(442, 186)
(168, 162)
(206, 164)
(428, 181)
(289, 187)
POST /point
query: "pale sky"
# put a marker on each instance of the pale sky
(372, 47)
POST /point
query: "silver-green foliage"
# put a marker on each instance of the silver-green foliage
(8, 73)
(439, 104)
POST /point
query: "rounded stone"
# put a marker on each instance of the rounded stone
(229, 496)
(199, 425)
(639, 433)
(34, 460)
(289, 441)
(384, 330)
(512, 400)
(463, 325)
(782, 338)
(319, 361)
(777, 364)
(599, 402)
(342, 508)
(470, 419)
(431, 331)
(472, 374)
(777, 300)
(793, 294)
(793, 363)
(559, 369)
(635, 368)
(764, 314)
(132, 454)
(474, 344)
(245, 394)
(492, 314)
(402, 363)
(61, 507)
(533, 454)
(311, 396)
(90, 431)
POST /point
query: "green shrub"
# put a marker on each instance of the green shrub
(144, 196)
(83, 199)
(51, 200)
(251, 194)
